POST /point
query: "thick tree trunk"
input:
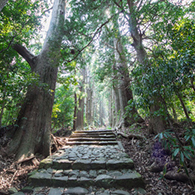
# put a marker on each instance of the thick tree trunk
(34, 120)
(125, 92)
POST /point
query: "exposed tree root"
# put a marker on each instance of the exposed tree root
(130, 136)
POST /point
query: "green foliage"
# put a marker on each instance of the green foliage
(183, 149)
(172, 65)
(62, 114)
(13, 87)
(19, 23)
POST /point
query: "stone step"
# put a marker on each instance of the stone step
(89, 168)
(92, 135)
(93, 131)
(91, 139)
(86, 157)
(91, 142)
(96, 164)
(80, 191)
(121, 178)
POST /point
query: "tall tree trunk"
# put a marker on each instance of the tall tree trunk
(157, 123)
(80, 109)
(110, 108)
(117, 104)
(75, 112)
(89, 99)
(124, 85)
(80, 114)
(113, 110)
(34, 120)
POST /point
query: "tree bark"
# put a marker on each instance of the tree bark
(156, 122)
(183, 106)
(110, 108)
(125, 92)
(116, 93)
(89, 99)
(2, 4)
(75, 112)
(34, 120)
(80, 109)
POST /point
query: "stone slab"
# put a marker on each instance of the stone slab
(56, 191)
(41, 178)
(76, 191)
(91, 142)
(62, 164)
(91, 139)
(82, 164)
(125, 163)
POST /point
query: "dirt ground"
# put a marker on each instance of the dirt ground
(144, 153)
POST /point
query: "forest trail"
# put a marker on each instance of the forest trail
(91, 162)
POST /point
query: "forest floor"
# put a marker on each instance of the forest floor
(145, 153)
(14, 175)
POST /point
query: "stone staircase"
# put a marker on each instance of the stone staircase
(92, 162)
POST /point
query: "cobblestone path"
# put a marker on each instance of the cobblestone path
(92, 162)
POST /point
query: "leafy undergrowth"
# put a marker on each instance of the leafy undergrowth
(149, 156)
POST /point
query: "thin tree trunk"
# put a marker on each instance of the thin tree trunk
(183, 106)
(34, 120)
(192, 83)
(2, 106)
(117, 103)
(89, 92)
(174, 113)
(75, 112)
(80, 110)
(113, 110)
(110, 108)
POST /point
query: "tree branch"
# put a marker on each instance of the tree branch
(96, 32)
(27, 55)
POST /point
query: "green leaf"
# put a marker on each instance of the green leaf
(187, 154)
(187, 137)
(161, 136)
(182, 157)
(193, 141)
(175, 152)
